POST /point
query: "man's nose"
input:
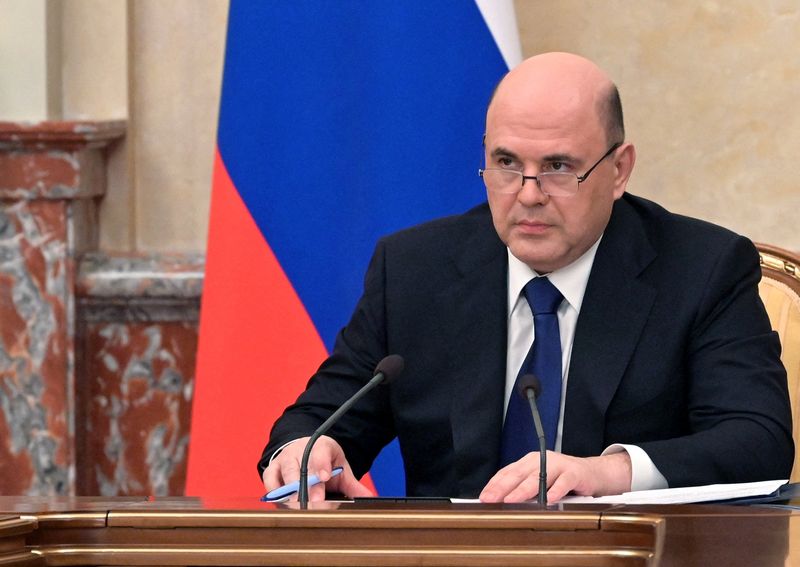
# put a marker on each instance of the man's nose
(531, 194)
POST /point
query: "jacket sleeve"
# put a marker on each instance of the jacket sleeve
(739, 418)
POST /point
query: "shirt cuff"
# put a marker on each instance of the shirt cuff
(644, 474)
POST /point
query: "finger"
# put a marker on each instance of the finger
(348, 484)
(272, 476)
(282, 470)
(328, 456)
(316, 493)
(562, 486)
(284, 467)
(525, 490)
(322, 458)
(506, 480)
(321, 468)
(498, 487)
(289, 470)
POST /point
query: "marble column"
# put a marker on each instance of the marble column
(51, 176)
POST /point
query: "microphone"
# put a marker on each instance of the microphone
(386, 370)
(529, 388)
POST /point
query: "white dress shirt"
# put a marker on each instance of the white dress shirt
(571, 281)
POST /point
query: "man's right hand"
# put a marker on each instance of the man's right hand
(326, 455)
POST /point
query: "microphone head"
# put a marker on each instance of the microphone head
(391, 366)
(529, 381)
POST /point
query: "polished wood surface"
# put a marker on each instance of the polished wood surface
(188, 531)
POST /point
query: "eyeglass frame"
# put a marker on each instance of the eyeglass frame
(523, 177)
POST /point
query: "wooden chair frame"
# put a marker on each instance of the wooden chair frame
(783, 267)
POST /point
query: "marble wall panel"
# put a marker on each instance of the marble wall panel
(51, 174)
(137, 344)
(36, 365)
(137, 401)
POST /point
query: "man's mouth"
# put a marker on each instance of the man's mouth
(532, 227)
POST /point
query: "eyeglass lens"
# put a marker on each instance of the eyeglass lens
(505, 181)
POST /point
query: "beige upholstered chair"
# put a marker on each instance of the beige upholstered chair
(780, 291)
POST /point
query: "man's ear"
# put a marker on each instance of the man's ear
(624, 160)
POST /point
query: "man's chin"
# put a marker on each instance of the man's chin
(540, 258)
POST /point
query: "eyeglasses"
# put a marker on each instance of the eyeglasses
(553, 183)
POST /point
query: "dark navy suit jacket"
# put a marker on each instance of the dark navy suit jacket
(673, 352)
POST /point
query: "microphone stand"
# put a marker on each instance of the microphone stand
(388, 368)
(530, 394)
(303, 489)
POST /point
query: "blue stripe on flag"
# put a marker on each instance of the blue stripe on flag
(343, 121)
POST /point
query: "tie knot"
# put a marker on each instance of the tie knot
(542, 296)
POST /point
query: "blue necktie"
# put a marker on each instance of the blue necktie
(544, 361)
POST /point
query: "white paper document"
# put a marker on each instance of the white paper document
(686, 495)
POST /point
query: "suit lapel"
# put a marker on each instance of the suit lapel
(614, 311)
(476, 305)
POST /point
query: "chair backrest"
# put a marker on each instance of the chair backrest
(780, 291)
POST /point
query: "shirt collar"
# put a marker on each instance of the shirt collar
(570, 280)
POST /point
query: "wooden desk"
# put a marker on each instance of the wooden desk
(39, 532)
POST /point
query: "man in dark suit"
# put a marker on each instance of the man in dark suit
(671, 374)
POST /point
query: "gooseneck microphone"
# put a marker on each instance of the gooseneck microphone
(386, 370)
(529, 387)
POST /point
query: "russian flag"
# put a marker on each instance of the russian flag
(339, 122)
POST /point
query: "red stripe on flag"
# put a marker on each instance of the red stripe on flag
(257, 349)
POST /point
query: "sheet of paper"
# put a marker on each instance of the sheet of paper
(686, 495)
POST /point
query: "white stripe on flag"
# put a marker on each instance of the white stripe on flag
(501, 20)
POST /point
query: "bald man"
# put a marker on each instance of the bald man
(670, 374)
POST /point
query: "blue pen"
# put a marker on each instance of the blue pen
(283, 493)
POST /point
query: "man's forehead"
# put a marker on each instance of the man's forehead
(516, 128)
(516, 121)
(543, 108)
(561, 138)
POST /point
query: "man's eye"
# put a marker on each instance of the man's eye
(505, 162)
(558, 167)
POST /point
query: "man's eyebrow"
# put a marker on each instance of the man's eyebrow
(501, 151)
(561, 157)
(505, 152)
